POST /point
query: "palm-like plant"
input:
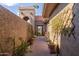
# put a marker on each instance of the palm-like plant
(57, 25)
(36, 6)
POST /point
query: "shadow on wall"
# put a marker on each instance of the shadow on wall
(59, 8)
(69, 39)
(65, 22)
(13, 30)
(55, 26)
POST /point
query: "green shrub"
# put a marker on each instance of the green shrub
(56, 24)
(21, 50)
(66, 31)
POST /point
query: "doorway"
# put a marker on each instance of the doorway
(40, 30)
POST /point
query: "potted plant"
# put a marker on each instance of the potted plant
(52, 47)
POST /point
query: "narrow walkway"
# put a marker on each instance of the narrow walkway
(39, 47)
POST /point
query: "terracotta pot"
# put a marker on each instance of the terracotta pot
(52, 48)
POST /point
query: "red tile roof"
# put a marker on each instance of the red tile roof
(38, 18)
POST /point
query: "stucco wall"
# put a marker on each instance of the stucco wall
(29, 12)
(68, 45)
(59, 8)
(12, 29)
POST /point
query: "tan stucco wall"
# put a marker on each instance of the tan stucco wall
(27, 12)
(11, 27)
(68, 46)
(59, 8)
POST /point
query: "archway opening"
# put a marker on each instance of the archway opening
(26, 18)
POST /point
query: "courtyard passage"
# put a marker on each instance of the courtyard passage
(39, 47)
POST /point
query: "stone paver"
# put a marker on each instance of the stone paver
(39, 47)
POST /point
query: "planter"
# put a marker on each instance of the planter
(52, 48)
(30, 41)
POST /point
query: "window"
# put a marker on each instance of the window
(26, 18)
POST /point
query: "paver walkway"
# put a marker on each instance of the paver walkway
(40, 47)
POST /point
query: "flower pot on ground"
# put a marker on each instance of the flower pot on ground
(52, 48)
(30, 41)
(57, 50)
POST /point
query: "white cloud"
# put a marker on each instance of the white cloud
(39, 1)
(9, 4)
(10, 1)
(22, 1)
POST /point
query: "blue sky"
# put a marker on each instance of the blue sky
(14, 7)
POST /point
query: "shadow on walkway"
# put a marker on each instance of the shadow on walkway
(40, 47)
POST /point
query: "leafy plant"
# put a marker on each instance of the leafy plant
(36, 6)
(21, 50)
(66, 31)
(57, 25)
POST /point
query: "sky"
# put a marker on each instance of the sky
(13, 7)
